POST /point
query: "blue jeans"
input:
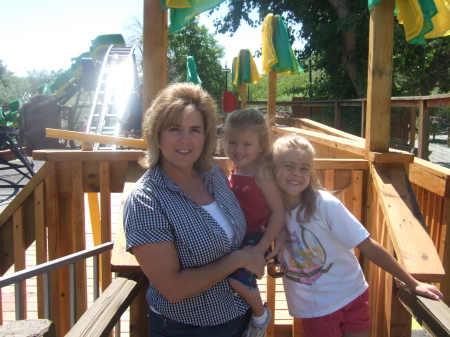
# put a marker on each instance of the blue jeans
(160, 326)
(241, 275)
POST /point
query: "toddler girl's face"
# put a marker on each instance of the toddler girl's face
(243, 147)
(292, 175)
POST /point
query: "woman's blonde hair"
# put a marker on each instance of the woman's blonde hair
(171, 105)
(250, 119)
(304, 148)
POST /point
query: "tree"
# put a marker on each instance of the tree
(11, 86)
(336, 39)
(193, 40)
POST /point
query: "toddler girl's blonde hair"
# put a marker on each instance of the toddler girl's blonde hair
(250, 119)
(304, 148)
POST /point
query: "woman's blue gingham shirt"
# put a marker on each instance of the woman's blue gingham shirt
(157, 210)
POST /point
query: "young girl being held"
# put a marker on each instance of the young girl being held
(323, 281)
(247, 139)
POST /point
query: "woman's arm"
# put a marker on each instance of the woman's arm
(160, 263)
(275, 201)
(381, 257)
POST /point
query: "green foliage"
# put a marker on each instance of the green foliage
(195, 40)
(336, 34)
(11, 86)
(288, 86)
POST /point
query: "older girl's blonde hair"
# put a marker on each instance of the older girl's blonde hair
(303, 148)
(250, 119)
(171, 105)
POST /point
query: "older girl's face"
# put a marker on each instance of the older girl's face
(292, 175)
(182, 142)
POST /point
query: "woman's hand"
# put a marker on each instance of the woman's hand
(253, 261)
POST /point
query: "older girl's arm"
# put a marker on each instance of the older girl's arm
(381, 257)
(160, 263)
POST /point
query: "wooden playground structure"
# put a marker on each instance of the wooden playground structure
(402, 200)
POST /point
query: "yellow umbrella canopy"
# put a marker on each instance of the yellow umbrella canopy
(277, 53)
(244, 70)
(422, 19)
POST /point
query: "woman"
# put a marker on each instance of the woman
(183, 223)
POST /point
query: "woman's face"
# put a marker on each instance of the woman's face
(182, 142)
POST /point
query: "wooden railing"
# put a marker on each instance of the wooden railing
(54, 201)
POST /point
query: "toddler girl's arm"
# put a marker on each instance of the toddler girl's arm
(381, 257)
(275, 201)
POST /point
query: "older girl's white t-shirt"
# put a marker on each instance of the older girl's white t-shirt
(322, 272)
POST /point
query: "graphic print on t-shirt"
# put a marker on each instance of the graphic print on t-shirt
(307, 258)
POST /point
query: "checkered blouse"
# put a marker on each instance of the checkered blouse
(157, 210)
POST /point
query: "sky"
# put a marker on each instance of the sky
(47, 34)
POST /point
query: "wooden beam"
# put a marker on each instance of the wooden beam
(155, 51)
(356, 147)
(305, 123)
(105, 312)
(424, 131)
(73, 155)
(379, 83)
(92, 138)
(413, 245)
(434, 316)
(391, 157)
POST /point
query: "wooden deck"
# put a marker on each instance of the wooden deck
(281, 314)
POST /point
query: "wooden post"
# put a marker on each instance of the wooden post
(379, 84)
(105, 213)
(272, 97)
(244, 95)
(79, 235)
(363, 118)
(337, 116)
(412, 129)
(155, 51)
(424, 131)
(41, 242)
(19, 256)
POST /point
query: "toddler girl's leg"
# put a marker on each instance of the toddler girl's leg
(252, 297)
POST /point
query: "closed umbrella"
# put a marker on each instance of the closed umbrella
(192, 74)
(244, 71)
(277, 56)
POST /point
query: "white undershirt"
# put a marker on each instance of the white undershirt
(218, 215)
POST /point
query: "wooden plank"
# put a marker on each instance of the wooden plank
(19, 253)
(379, 82)
(64, 248)
(51, 210)
(121, 260)
(74, 155)
(41, 241)
(413, 246)
(103, 314)
(337, 115)
(79, 235)
(270, 297)
(424, 131)
(328, 181)
(319, 127)
(391, 157)
(355, 147)
(444, 250)
(433, 315)
(436, 183)
(105, 221)
(20, 198)
(93, 138)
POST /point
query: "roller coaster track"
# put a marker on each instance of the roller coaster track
(114, 85)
